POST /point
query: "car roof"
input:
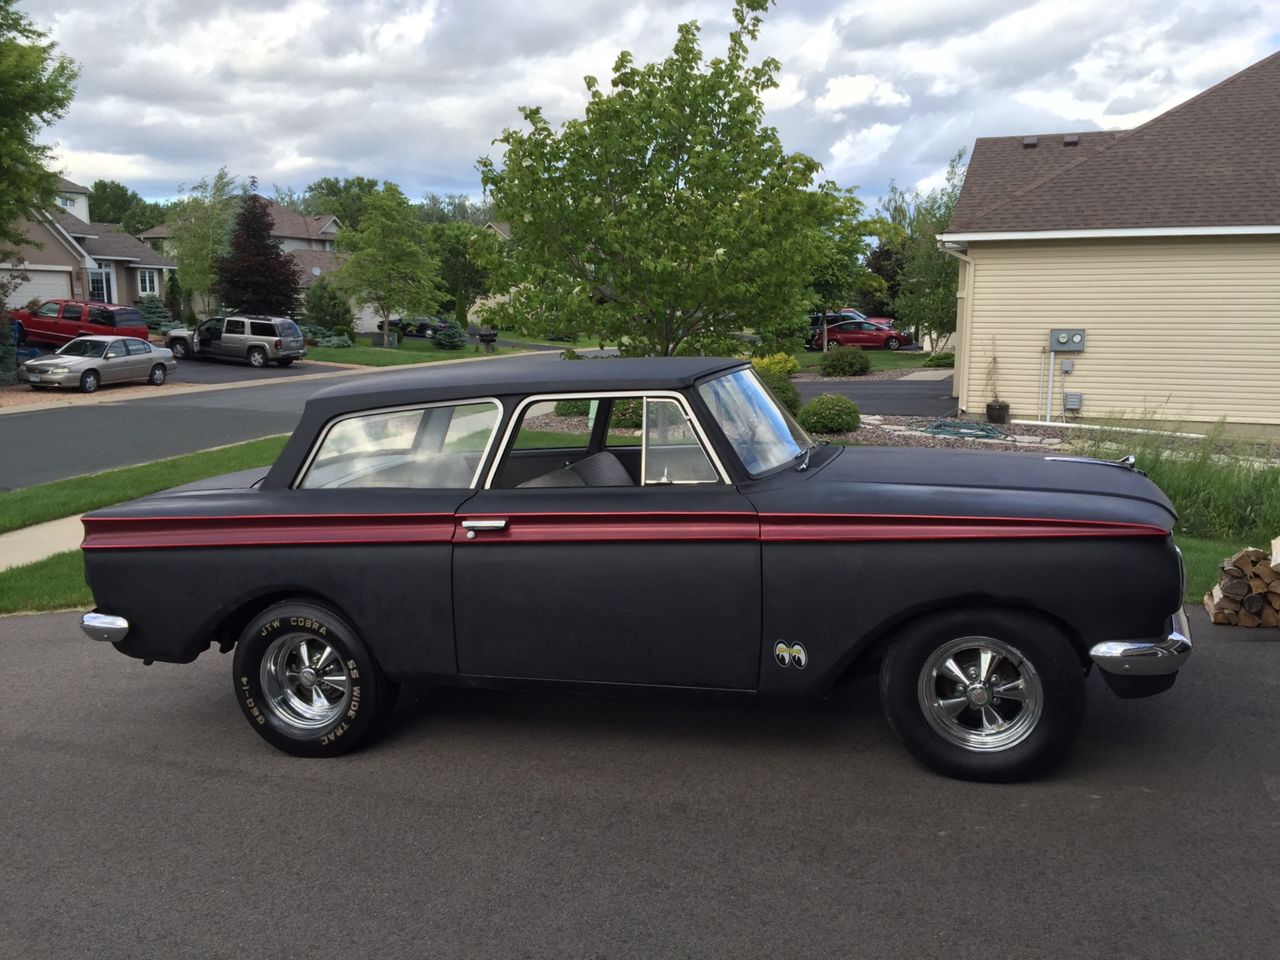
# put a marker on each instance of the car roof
(106, 338)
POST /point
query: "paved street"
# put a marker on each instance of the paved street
(901, 398)
(228, 371)
(144, 819)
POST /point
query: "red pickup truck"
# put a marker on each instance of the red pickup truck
(61, 321)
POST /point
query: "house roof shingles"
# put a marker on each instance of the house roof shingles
(66, 186)
(286, 225)
(1208, 162)
(326, 261)
(107, 241)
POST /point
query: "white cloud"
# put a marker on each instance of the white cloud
(852, 91)
(858, 150)
(786, 94)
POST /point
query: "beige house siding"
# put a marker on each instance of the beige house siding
(1176, 328)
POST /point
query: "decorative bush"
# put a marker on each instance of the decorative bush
(331, 340)
(628, 414)
(830, 413)
(155, 312)
(573, 408)
(780, 386)
(844, 362)
(341, 331)
(450, 337)
(323, 306)
(941, 360)
(777, 364)
(314, 333)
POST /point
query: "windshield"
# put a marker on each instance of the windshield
(762, 433)
(83, 348)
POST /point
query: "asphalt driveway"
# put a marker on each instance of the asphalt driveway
(143, 818)
(895, 398)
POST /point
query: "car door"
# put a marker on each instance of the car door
(45, 324)
(235, 339)
(115, 362)
(627, 562)
(72, 323)
(209, 335)
(842, 334)
(140, 358)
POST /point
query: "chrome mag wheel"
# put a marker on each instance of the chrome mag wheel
(980, 693)
(305, 681)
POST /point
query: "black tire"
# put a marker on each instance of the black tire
(892, 343)
(257, 357)
(286, 361)
(356, 715)
(1054, 664)
(180, 349)
(158, 374)
(89, 381)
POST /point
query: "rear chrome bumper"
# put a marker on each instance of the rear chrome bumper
(1146, 658)
(102, 626)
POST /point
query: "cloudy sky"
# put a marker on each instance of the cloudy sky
(415, 90)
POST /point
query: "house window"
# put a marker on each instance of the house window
(66, 201)
(148, 282)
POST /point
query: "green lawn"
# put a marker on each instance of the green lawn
(411, 350)
(63, 498)
(54, 583)
(880, 359)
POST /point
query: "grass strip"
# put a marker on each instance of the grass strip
(1202, 558)
(880, 360)
(410, 350)
(63, 498)
(54, 583)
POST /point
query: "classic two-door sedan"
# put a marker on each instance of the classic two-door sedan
(607, 523)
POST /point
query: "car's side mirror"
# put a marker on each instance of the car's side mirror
(111, 354)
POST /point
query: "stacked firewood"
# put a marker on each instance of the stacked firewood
(1248, 593)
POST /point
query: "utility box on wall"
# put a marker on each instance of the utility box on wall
(1067, 340)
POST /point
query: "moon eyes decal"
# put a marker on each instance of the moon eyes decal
(788, 654)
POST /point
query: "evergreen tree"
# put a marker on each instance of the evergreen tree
(256, 276)
(326, 307)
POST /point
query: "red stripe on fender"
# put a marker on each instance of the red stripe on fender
(107, 533)
(834, 527)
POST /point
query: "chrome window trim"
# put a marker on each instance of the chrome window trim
(641, 395)
(403, 408)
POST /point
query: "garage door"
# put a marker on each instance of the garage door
(43, 285)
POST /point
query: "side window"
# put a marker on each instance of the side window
(626, 422)
(48, 310)
(672, 452)
(102, 317)
(137, 347)
(260, 328)
(235, 326)
(115, 348)
(557, 425)
(424, 448)
(72, 311)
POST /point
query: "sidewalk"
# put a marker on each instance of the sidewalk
(29, 544)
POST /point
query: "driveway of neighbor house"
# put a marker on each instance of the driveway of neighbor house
(910, 396)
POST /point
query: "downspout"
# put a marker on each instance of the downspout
(963, 294)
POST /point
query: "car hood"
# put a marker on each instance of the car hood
(57, 360)
(922, 482)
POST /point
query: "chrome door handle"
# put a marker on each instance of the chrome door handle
(471, 526)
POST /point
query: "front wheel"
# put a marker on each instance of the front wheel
(993, 695)
(257, 357)
(306, 682)
(892, 343)
(180, 349)
(89, 381)
(158, 373)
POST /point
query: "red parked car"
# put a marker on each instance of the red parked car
(61, 321)
(861, 333)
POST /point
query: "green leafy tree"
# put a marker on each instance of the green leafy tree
(841, 276)
(926, 298)
(670, 215)
(455, 207)
(389, 265)
(110, 200)
(37, 85)
(344, 198)
(255, 275)
(202, 222)
(10, 280)
(465, 252)
(143, 215)
(326, 307)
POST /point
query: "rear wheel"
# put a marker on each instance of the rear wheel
(984, 694)
(89, 381)
(158, 373)
(180, 349)
(306, 682)
(257, 357)
(831, 344)
(892, 343)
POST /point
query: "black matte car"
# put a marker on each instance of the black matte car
(646, 524)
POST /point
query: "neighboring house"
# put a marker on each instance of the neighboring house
(68, 257)
(1161, 243)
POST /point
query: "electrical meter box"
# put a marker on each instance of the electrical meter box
(1066, 340)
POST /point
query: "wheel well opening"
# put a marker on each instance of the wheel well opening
(232, 625)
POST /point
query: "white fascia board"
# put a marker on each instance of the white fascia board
(67, 240)
(1244, 231)
(60, 267)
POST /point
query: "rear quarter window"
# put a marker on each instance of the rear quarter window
(261, 328)
(128, 318)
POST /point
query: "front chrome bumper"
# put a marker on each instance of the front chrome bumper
(102, 626)
(1146, 658)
